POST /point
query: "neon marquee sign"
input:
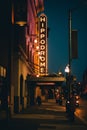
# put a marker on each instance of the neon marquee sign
(43, 44)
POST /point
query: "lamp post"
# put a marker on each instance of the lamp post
(67, 71)
(70, 40)
(72, 43)
(70, 55)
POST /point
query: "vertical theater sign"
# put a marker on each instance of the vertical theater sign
(43, 44)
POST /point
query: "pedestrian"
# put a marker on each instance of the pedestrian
(72, 107)
(38, 100)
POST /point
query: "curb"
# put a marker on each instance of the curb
(81, 118)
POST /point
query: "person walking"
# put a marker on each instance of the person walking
(72, 108)
(38, 100)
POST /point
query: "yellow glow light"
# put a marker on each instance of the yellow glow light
(35, 41)
(21, 23)
(37, 47)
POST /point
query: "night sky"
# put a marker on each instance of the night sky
(57, 12)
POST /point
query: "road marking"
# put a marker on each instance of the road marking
(55, 109)
(63, 125)
(39, 116)
(60, 127)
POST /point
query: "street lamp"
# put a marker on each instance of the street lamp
(72, 46)
(67, 71)
(68, 68)
(72, 43)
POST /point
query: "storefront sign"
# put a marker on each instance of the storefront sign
(43, 44)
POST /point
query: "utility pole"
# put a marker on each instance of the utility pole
(70, 55)
(70, 40)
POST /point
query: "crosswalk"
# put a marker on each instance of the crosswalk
(52, 105)
(39, 116)
(56, 108)
(60, 127)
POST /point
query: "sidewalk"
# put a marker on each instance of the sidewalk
(47, 110)
(49, 114)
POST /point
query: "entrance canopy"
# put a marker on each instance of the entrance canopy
(45, 80)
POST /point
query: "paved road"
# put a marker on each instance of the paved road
(81, 111)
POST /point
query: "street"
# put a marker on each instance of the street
(81, 111)
(48, 116)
